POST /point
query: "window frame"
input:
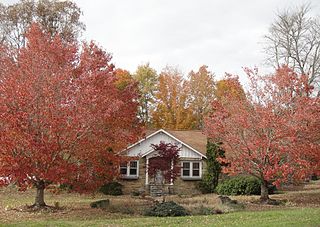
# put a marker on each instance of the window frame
(191, 176)
(128, 175)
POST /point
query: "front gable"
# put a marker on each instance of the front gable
(143, 147)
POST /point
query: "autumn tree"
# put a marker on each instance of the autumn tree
(172, 110)
(147, 79)
(229, 86)
(201, 92)
(55, 17)
(294, 40)
(273, 134)
(124, 79)
(63, 119)
(165, 162)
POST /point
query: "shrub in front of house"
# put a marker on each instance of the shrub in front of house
(240, 185)
(166, 209)
(112, 188)
(65, 187)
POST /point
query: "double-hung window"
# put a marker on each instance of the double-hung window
(191, 170)
(129, 170)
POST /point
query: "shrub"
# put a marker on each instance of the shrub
(204, 187)
(112, 188)
(314, 177)
(103, 204)
(66, 187)
(240, 185)
(166, 209)
(211, 176)
(272, 189)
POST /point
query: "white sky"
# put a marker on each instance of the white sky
(225, 35)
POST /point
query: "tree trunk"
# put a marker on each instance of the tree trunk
(264, 191)
(39, 200)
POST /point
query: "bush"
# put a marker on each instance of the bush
(240, 185)
(166, 209)
(66, 187)
(112, 188)
(204, 187)
(272, 189)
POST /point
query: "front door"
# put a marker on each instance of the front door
(159, 179)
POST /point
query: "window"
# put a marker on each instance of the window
(196, 169)
(129, 169)
(186, 169)
(133, 168)
(191, 170)
(123, 168)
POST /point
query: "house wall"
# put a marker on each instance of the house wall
(180, 186)
(131, 185)
(144, 150)
(187, 187)
(144, 146)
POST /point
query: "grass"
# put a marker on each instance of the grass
(301, 207)
(290, 217)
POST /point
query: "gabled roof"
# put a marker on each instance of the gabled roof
(193, 139)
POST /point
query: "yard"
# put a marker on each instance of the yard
(300, 207)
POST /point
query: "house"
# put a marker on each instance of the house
(192, 155)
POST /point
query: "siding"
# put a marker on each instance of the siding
(144, 146)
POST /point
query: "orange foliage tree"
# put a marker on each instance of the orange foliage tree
(201, 92)
(274, 133)
(63, 119)
(229, 86)
(172, 110)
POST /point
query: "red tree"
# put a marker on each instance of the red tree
(272, 134)
(63, 119)
(166, 161)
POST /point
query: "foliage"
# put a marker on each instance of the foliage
(240, 185)
(63, 120)
(201, 87)
(53, 16)
(294, 40)
(147, 79)
(172, 110)
(166, 161)
(229, 86)
(211, 177)
(166, 209)
(124, 79)
(273, 134)
(112, 188)
(103, 204)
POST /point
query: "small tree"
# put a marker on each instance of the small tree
(214, 167)
(166, 162)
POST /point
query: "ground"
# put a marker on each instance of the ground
(300, 206)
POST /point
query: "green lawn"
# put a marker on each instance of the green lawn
(290, 217)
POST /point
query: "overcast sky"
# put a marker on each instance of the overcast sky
(225, 35)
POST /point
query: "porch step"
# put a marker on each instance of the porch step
(156, 190)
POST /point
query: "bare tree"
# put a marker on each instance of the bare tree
(294, 40)
(55, 17)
